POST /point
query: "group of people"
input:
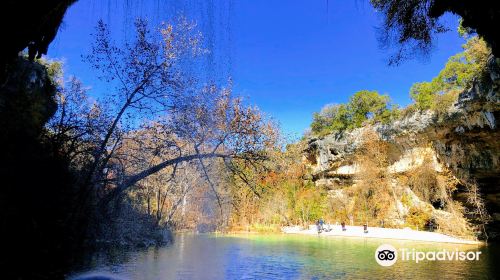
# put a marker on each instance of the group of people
(320, 224)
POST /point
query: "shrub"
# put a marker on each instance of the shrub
(310, 204)
(417, 218)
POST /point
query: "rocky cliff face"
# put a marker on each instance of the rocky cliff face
(464, 142)
(35, 186)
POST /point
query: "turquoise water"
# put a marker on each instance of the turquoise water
(285, 257)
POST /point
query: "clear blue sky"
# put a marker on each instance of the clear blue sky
(290, 58)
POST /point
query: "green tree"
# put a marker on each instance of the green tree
(458, 74)
(331, 118)
(423, 94)
(365, 104)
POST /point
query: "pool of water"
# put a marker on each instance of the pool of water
(278, 256)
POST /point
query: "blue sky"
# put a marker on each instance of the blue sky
(289, 59)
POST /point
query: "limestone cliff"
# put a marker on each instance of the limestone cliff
(464, 143)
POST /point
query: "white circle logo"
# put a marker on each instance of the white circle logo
(386, 255)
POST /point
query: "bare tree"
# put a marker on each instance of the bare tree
(155, 118)
(477, 209)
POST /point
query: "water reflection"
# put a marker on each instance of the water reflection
(284, 257)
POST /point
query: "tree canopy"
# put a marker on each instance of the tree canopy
(458, 74)
(364, 105)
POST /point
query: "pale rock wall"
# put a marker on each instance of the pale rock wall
(465, 142)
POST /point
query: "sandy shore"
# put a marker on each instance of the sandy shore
(375, 232)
